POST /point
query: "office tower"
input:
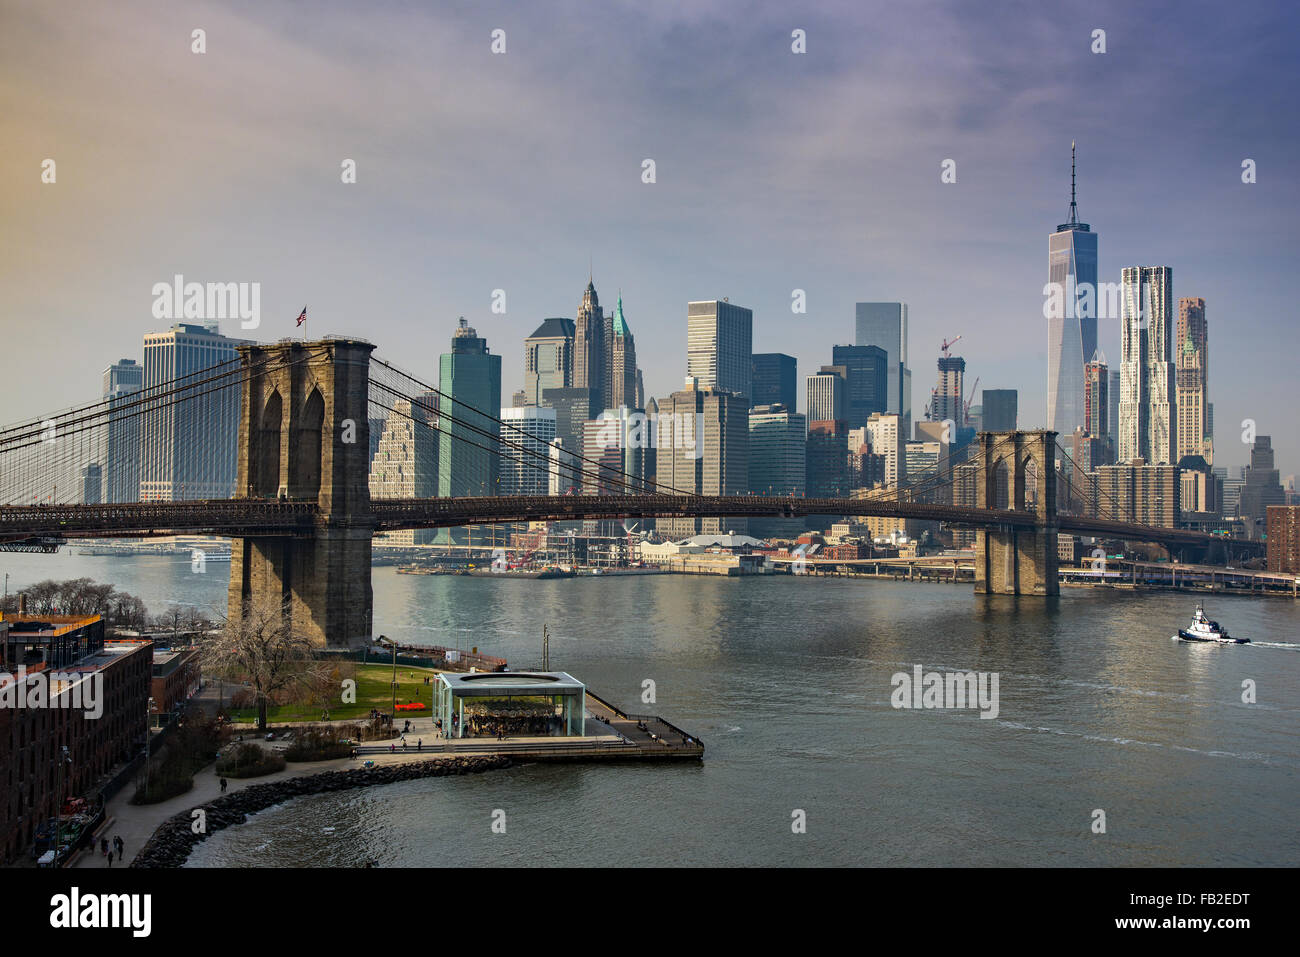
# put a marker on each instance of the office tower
(1192, 378)
(776, 450)
(572, 408)
(640, 391)
(703, 449)
(1261, 487)
(530, 431)
(122, 384)
(1096, 398)
(866, 381)
(589, 344)
(1147, 398)
(924, 458)
(188, 449)
(719, 346)
(92, 484)
(887, 438)
(469, 377)
(1200, 487)
(884, 324)
(548, 358)
(826, 396)
(775, 380)
(827, 469)
(405, 463)
(946, 401)
(1071, 328)
(999, 410)
(620, 365)
(777, 464)
(615, 445)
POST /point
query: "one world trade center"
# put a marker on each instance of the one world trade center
(1072, 329)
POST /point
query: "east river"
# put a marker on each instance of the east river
(789, 682)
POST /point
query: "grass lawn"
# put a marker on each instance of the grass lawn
(374, 690)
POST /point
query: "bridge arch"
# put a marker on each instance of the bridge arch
(306, 462)
(266, 463)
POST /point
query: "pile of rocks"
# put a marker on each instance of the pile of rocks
(171, 844)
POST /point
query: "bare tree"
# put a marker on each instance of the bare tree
(262, 648)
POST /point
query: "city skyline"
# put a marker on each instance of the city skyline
(390, 274)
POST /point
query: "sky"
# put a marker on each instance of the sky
(520, 171)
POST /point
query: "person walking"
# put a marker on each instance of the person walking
(120, 845)
(223, 785)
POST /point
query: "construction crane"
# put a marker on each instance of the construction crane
(948, 344)
(966, 411)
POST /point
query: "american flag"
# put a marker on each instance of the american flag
(303, 317)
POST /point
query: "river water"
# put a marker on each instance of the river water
(788, 681)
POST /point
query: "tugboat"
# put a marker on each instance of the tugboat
(1203, 629)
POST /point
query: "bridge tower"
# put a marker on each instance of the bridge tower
(304, 435)
(1017, 471)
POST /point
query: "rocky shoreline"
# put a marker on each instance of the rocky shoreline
(172, 842)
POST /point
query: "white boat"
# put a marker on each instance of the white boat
(1203, 629)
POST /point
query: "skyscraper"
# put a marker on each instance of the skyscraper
(548, 359)
(1192, 379)
(469, 378)
(1147, 398)
(1072, 326)
(947, 402)
(826, 396)
(1260, 487)
(775, 380)
(703, 449)
(589, 344)
(122, 381)
(866, 381)
(719, 346)
(188, 449)
(887, 438)
(777, 463)
(620, 366)
(999, 410)
(533, 429)
(884, 324)
(405, 464)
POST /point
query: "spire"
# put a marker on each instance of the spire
(1074, 207)
(619, 323)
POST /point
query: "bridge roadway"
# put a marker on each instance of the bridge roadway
(27, 525)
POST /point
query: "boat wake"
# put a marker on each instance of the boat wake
(1285, 645)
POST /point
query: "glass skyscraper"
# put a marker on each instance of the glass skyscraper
(884, 324)
(1147, 401)
(188, 448)
(1072, 328)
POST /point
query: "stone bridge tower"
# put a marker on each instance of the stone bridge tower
(1017, 471)
(304, 435)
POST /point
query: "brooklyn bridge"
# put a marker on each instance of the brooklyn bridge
(302, 518)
